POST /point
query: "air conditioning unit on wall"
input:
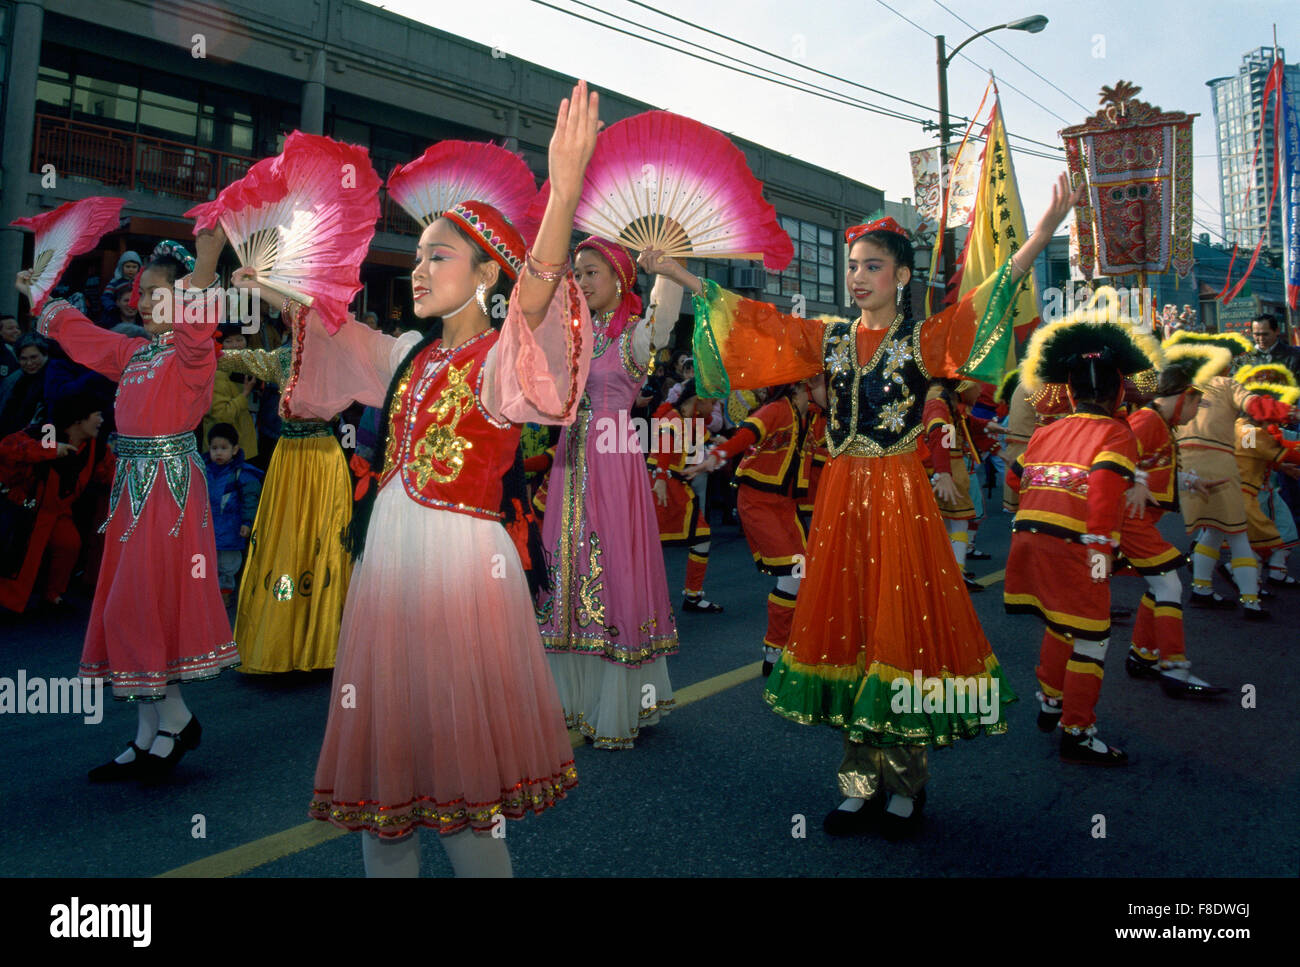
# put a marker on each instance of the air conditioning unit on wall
(748, 278)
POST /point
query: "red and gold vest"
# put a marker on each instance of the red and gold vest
(450, 452)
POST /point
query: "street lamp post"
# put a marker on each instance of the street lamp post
(1031, 24)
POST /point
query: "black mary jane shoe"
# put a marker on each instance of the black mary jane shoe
(1286, 581)
(693, 604)
(841, 822)
(155, 768)
(1048, 721)
(895, 828)
(1256, 614)
(114, 771)
(974, 555)
(1140, 668)
(1119, 614)
(1211, 600)
(1177, 688)
(767, 667)
(972, 585)
(1076, 749)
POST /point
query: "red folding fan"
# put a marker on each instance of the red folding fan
(454, 171)
(660, 180)
(303, 221)
(67, 231)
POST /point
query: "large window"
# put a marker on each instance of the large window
(812, 271)
(100, 91)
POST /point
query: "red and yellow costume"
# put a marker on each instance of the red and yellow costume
(683, 520)
(947, 436)
(1158, 630)
(773, 480)
(1071, 480)
(23, 455)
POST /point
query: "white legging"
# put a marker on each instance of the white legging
(1245, 566)
(957, 534)
(1166, 588)
(471, 855)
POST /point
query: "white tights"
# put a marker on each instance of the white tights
(471, 855)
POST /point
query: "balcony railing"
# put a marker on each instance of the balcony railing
(135, 162)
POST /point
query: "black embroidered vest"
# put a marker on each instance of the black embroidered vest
(875, 410)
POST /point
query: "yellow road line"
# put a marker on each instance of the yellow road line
(990, 579)
(259, 852)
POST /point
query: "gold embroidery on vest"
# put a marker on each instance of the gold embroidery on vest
(440, 441)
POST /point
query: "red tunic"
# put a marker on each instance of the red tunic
(1141, 543)
(20, 456)
(775, 480)
(157, 617)
(1071, 479)
(683, 520)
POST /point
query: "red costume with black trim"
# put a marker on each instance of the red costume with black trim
(774, 480)
(1158, 630)
(1071, 481)
(683, 520)
(948, 439)
(23, 457)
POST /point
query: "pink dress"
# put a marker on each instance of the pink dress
(443, 712)
(607, 623)
(157, 618)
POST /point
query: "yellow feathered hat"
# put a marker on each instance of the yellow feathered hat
(1272, 373)
(1201, 361)
(1094, 326)
(1234, 342)
(1283, 394)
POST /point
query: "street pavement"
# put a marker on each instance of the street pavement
(719, 787)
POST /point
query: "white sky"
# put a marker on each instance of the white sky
(1168, 48)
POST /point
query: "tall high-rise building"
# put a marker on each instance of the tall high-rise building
(1244, 181)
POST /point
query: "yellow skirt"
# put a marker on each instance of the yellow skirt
(296, 579)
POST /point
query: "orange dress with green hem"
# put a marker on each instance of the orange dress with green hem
(883, 597)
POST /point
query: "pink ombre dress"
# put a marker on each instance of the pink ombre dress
(443, 711)
(157, 618)
(607, 623)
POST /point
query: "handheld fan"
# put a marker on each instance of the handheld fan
(66, 231)
(303, 221)
(660, 180)
(454, 171)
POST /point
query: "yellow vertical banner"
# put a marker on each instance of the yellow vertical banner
(998, 230)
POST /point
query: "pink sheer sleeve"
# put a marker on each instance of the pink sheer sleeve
(538, 375)
(329, 372)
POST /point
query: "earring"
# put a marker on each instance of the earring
(899, 300)
(618, 289)
(480, 294)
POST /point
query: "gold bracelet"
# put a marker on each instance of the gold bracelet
(545, 276)
(554, 265)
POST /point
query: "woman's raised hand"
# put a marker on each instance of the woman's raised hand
(576, 124)
(1063, 199)
(23, 283)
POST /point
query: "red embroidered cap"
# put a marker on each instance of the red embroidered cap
(885, 224)
(493, 231)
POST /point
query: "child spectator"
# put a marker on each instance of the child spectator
(233, 489)
(128, 266)
(230, 396)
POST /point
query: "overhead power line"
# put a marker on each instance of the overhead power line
(748, 68)
(1015, 58)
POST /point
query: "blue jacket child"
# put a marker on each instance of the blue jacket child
(234, 486)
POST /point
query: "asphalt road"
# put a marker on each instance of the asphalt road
(716, 789)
